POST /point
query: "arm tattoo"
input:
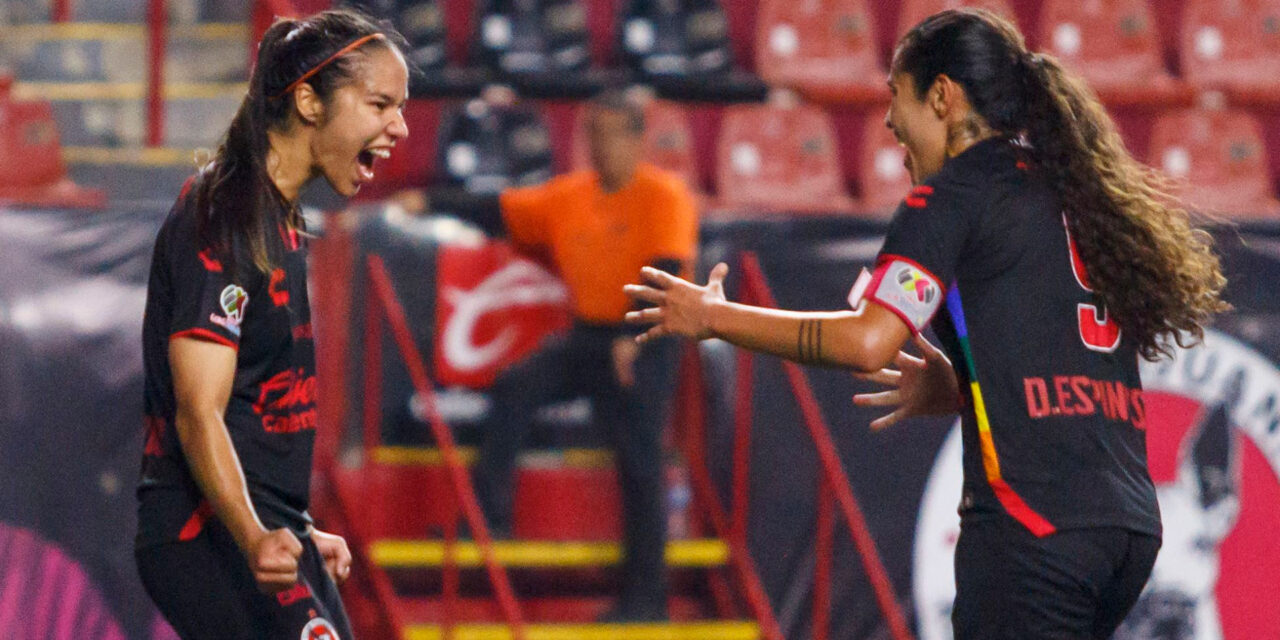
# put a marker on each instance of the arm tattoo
(809, 342)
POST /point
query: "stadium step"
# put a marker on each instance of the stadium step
(702, 630)
(543, 554)
(579, 458)
(106, 52)
(91, 74)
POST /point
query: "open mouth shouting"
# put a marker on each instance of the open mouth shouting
(367, 158)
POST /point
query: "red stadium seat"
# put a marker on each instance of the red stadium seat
(31, 169)
(1233, 46)
(668, 140)
(824, 49)
(1115, 45)
(1221, 157)
(882, 177)
(915, 11)
(779, 159)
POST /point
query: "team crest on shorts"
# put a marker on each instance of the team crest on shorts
(1213, 445)
(319, 629)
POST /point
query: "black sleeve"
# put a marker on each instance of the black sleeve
(482, 210)
(209, 303)
(922, 250)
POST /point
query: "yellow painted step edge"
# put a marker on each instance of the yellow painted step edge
(537, 553)
(133, 156)
(430, 456)
(718, 630)
(72, 91)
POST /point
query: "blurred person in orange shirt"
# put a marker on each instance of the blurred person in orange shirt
(597, 227)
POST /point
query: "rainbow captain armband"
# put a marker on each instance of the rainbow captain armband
(903, 287)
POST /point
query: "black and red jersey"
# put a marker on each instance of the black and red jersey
(271, 415)
(1053, 422)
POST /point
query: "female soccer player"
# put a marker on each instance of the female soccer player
(1056, 260)
(225, 547)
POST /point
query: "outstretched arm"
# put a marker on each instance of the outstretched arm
(866, 339)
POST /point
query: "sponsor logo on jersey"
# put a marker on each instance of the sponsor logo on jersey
(233, 300)
(908, 291)
(1213, 438)
(319, 629)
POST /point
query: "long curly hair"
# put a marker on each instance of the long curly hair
(1156, 274)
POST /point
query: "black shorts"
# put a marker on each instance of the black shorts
(204, 588)
(1072, 585)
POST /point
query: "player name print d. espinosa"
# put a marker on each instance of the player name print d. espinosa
(1084, 396)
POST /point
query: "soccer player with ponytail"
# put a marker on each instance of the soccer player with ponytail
(1047, 261)
(225, 546)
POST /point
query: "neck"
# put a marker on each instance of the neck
(966, 133)
(613, 184)
(288, 163)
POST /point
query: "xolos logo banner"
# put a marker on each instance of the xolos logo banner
(494, 307)
(1213, 441)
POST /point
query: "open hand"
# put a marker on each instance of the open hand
(919, 386)
(683, 308)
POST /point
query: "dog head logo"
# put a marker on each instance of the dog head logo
(1214, 449)
(319, 629)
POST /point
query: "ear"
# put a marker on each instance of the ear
(307, 104)
(946, 97)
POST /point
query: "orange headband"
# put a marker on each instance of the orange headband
(341, 52)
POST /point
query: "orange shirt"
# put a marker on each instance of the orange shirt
(599, 241)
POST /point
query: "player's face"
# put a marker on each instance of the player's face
(364, 120)
(615, 146)
(917, 125)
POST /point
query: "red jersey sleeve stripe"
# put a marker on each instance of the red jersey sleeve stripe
(205, 334)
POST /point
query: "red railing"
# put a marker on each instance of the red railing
(264, 11)
(385, 305)
(834, 488)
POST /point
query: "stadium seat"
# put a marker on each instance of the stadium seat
(485, 148)
(1234, 47)
(915, 11)
(779, 159)
(542, 46)
(423, 24)
(31, 169)
(668, 140)
(1115, 45)
(882, 178)
(1221, 157)
(681, 47)
(824, 49)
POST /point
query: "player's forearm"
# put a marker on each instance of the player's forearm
(216, 468)
(824, 338)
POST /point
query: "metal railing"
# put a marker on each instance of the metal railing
(385, 305)
(835, 494)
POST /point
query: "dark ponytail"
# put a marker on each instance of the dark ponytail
(1156, 274)
(235, 198)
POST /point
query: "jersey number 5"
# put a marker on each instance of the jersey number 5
(1098, 332)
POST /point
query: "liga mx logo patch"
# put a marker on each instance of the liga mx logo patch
(319, 629)
(233, 300)
(908, 290)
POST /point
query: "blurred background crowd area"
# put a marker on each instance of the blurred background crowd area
(764, 106)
